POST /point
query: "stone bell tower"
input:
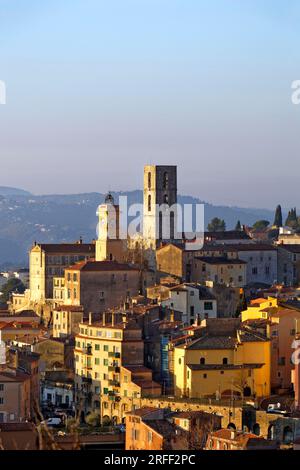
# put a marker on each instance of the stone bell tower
(109, 246)
(160, 189)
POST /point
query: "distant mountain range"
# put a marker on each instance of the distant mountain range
(25, 218)
(7, 191)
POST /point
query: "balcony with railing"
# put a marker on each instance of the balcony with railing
(88, 351)
(115, 355)
(114, 383)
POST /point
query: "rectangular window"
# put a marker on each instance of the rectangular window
(97, 347)
(208, 305)
(105, 348)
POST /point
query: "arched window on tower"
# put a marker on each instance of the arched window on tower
(149, 180)
(149, 203)
(166, 180)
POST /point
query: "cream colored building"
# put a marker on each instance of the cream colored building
(109, 245)
(47, 261)
(220, 270)
(58, 290)
(66, 319)
(110, 377)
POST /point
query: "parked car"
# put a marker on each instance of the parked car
(52, 422)
(276, 409)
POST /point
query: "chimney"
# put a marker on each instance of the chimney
(90, 318)
(113, 319)
(103, 319)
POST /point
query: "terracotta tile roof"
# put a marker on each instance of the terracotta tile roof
(204, 292)
(258, 301)
(69, 248)
(219, 260)
(93, 266)
(146, 384)
(244, 440)
(292, 248)
(223, 366)
(13, 375)
(19, 325)
(192, 414)
(239, 247)
(141, 412)
(136, 369)
(224, 341)
(67, 308)
(213, 342)
(163, 427)
(16, 427)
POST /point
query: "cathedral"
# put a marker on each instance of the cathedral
(159, 219)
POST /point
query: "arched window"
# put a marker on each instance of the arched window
(202, 360)
(225, 360)
(149, 203)
(149, 180)
(166, 180)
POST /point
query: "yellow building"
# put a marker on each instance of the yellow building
(227, 359)
(282, 325)
(259, 309)
(109, 366)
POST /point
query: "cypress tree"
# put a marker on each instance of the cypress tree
(238, 226)
(278, 217)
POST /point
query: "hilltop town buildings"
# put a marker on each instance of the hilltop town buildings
(107, 334)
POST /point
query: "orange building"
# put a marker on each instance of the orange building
(228, 439)
(146, 429)
(14, 395)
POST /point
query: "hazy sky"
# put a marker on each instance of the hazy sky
(96, 89)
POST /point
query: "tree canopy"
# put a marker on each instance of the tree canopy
(216, 225)
(11, 286)
(261, 224)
